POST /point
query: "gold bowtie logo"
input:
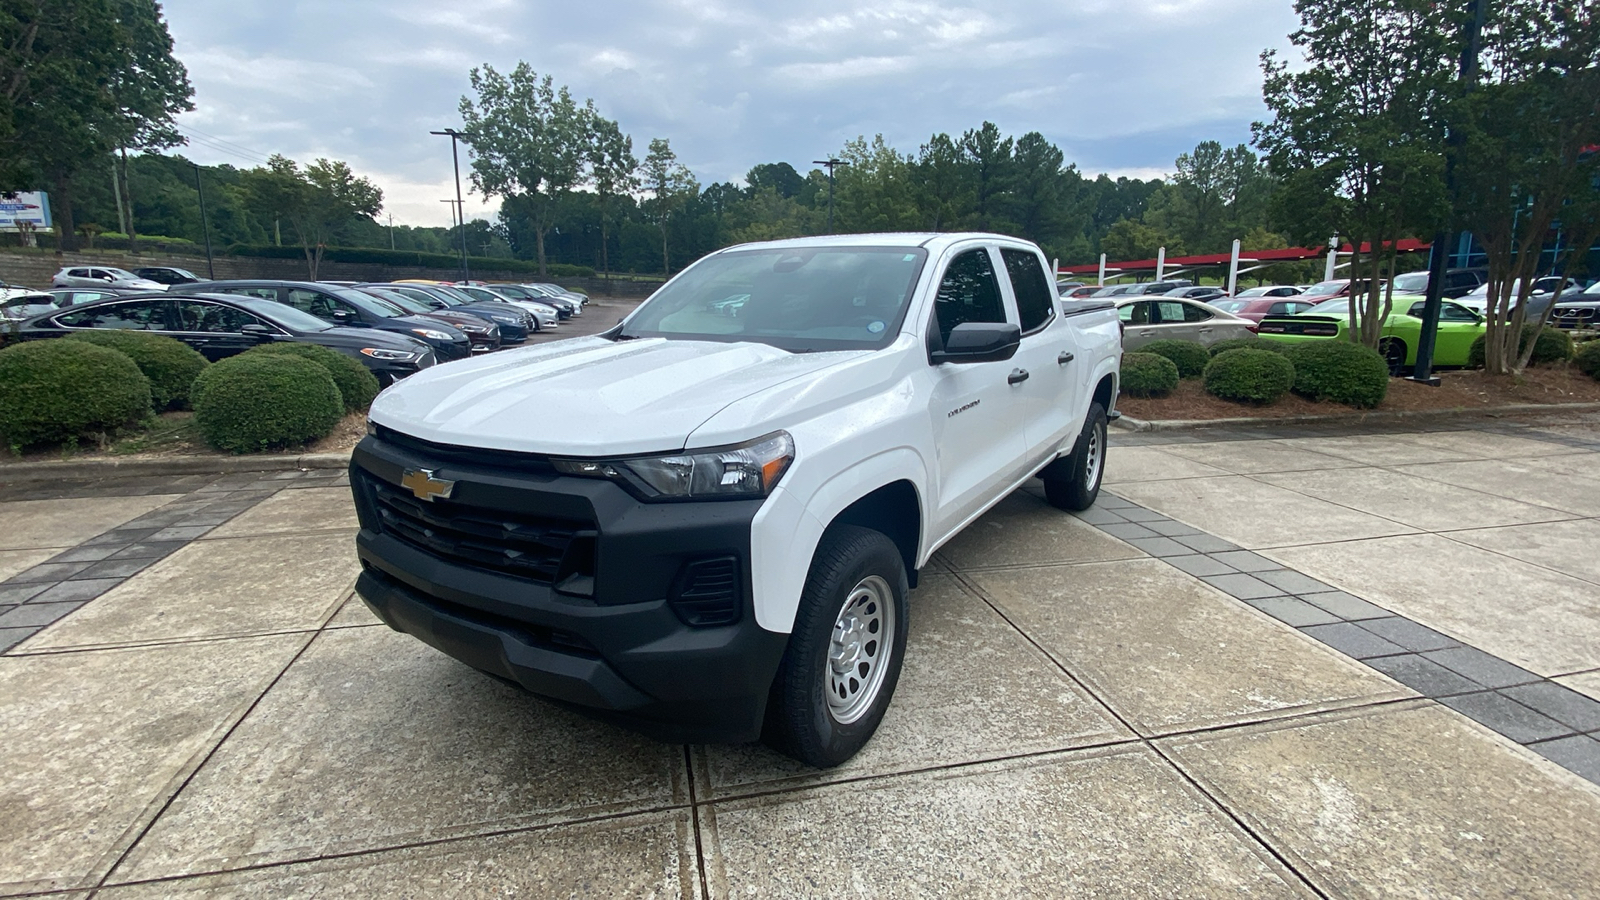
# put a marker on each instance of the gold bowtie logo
(422, 483)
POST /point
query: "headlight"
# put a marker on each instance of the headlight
(432, 335)
(507, 320)
(383, 353)
(469, 328)
(751, 469)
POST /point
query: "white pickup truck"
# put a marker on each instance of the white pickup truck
(704, 523)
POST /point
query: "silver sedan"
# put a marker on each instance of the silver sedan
(1146, 319)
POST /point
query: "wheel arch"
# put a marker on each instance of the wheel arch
(895, 511)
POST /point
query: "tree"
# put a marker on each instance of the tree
(614, 170)
(1356, 137)
(671, 184)
(941, 185)
(317, 202)
(1525, 162)
(990, 158)
(148, 92)
(1044, 191)
(780, 177)
(1128, 240)
(872, 188)
(527, 139)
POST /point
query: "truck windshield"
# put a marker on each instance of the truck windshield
(802, 299)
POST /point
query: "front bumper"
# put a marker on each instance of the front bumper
(604, 628)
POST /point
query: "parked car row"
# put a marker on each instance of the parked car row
(394, 328)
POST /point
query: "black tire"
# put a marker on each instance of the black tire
(801, 721)
(1394, 353)
(1072, 483)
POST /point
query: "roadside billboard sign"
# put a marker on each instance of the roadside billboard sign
(32, 207)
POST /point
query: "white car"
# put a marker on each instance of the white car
(18, 306)
(544, 313)
(1269, 290)
(1147, 319)
(707, 525)
(103, 276)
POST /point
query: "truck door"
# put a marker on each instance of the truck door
(977, 419)
(1050, 394)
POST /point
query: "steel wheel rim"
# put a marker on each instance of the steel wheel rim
(1092, 458)
(859, 649)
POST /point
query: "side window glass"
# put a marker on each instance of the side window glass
(1194, 313)
(138, 315)
(1135, 313)
(1280, 309)
(1032, 289)
(264, 293)
(317, 304)
(968, 293)
(213, 318)
(1168, 312)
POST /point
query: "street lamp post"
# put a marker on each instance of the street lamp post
(205, 227)
(830, 163)
(455, 160)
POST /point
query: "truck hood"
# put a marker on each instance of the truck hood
(589, 396)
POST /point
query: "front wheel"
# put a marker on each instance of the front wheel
(844, 656)
(1394, 353)
(1072, 483)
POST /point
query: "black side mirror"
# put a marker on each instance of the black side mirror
(258, 331)
(972, 342)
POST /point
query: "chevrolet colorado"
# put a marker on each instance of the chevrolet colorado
(705, 522)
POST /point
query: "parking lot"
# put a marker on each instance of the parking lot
(1282, 663)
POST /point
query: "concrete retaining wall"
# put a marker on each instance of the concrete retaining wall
(35, 269)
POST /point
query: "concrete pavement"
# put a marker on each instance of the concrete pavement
(1275, 666)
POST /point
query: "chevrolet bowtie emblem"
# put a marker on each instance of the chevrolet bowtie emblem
(422, 483)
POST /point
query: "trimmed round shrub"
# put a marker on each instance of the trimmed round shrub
(170, 365)
(1248, 375)
(1148, 375)
(58, 391)
(1588, 359)
(1550, 346)
(1340, 371)
(356, 383)
(1245, 343)
(263, 401)
(1188, 356)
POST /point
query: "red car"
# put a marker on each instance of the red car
(1253, 308)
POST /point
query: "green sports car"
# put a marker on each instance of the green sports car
(1458, 328)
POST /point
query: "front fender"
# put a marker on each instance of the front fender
(786, 531)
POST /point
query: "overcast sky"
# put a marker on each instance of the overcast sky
(1120, 86)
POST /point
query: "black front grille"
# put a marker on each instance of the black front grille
(539, 548)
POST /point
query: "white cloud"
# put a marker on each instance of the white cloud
(1122, 86)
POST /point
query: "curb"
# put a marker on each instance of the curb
(1128, 423)
(194, 465)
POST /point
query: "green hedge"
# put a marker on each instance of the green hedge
(409, 258)
(171, 366)
(1340, 371)
(356, 383)
(262, 401)
(1148, 375)
(1552, 345)
(59, 391)
(1588, 359)
(1188, 356)
(1249, 375)
(1248, 343)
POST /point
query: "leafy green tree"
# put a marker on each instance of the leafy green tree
(614, 170)
(671, 186)
(1526, 164)
(942, 188)
(1356, 137)
(990, 158)
(317, 202)
(148, 91)
(1130, 240)
(872, 188)
(780, 177)
(528, 139)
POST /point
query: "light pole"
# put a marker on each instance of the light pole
(205, 227)
(455, 160)
(1438, 264)
(830, 163)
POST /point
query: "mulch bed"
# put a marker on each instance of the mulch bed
(173, 435)
(1463, 390)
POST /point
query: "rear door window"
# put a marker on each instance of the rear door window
(135, 315)
(201, 317)
(968, 292)
(1035, 307)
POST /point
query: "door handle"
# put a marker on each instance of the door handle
(1064, 358)
(1017, 376)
